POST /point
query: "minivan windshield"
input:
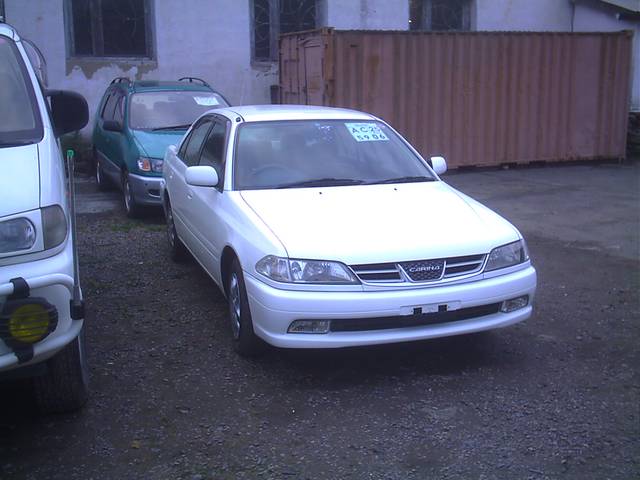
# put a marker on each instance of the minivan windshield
(20, 122)
(166, 110)
(315, 153)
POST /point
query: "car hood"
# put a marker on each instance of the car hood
(19, 179)
(379, 223)
(154, 144)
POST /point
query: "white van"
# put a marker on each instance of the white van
(41, 307)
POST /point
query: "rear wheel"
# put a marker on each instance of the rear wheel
(245, 341)
(64, 387)
(130, 205)
(177, 250)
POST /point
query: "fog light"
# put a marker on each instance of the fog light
(27, 321)
(309, 326)
(514, 304)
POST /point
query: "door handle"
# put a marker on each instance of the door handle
(189, 194)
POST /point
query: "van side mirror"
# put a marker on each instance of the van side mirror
(439, 165)
(69, 111)
(202, 176)
(112, 125)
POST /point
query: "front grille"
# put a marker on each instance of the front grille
(406, 321)
(420, 270)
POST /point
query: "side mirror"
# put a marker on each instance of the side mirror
(202, 176)
(112, 125)
(439, 165)
(69, 111)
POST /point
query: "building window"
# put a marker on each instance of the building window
(109, 28)
(439, 15)
(270, 18)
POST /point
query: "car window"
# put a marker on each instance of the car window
(170, 109)
(192, 150)
(118, 113)
(213, 148)
(20, 121)
(109, 106)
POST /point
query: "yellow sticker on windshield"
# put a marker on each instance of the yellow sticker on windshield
(366, 132)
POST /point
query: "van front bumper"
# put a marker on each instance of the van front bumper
(146, 190)
(273, 310)
(50, 279)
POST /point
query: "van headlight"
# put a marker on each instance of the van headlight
(54, 226)
(17, 234)
(293, 270)
(507, 256)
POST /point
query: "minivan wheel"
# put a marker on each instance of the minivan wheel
(245, 341)
(131, 207)
(65, 385)
(177, 250)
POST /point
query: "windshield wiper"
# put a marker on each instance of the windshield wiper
(322, 182)
(409, 179)
(173, 127)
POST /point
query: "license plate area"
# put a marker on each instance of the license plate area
(429, 308)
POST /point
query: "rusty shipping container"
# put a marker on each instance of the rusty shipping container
(478, 98)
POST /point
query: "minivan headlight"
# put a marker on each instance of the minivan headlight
(507, 256)
(54, 226)
(150, 164)
(17, 234)
(293, 270)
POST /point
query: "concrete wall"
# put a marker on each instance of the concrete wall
(590, 19)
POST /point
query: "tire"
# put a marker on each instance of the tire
(245, 341)
(177, 251)
(101, 180)
(131, 207)
(65, 385)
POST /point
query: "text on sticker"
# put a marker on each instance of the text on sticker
(206, 101)
(366, 132)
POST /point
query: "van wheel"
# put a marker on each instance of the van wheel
(177, 251)
(65, 385)
(101, 180)
(130, 205)
(245, 341)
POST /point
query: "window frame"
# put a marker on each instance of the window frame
(96, 33)
(274, 30)
(225, 148)
(426, 13)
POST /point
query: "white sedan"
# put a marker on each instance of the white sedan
(325, 228)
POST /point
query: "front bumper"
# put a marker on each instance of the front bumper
(52, 279)
(273, 310)
(146, 190)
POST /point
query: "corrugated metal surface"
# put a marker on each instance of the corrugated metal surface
(478, 98)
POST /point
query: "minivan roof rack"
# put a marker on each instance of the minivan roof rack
(194, 80)
(120, 80)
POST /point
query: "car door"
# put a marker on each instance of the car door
(206, 212)
(181, 194)
(110, 158)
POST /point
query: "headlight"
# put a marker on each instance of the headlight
(16, 234)
(507, 256)
(304, 271)
(54, 226)
(150, 164)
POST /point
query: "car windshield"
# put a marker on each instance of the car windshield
(167, 110)
(19, 120)
(308, 153)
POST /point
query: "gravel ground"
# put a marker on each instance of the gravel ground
(554, 397)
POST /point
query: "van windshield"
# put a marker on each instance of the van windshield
(19, 120)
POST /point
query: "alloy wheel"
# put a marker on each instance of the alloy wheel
(234, 305)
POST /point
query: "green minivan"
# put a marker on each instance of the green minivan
(134, 124)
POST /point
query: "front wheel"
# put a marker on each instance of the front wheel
(245, 341)
(65, 385)
(130, 205)
(177, 250)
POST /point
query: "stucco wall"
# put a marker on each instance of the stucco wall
(535, 15)
(368, 14)
(198, 38)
